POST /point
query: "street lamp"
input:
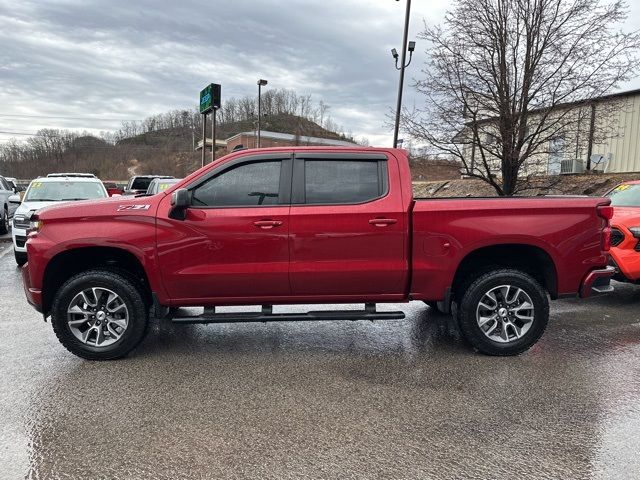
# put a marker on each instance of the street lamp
(261, 83)
(411, 47)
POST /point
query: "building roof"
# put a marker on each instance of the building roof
(219, 143)
(583, 102)
(291, 138)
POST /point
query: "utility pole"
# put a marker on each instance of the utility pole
(204, 136)
(261, 83)
(213, 134)
(402, 67)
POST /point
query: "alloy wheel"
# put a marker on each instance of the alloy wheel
(505, 313)
(98, 317)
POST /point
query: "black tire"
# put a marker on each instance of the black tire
(474, 293)
(21, 258)
(130, 294)
(4, 221)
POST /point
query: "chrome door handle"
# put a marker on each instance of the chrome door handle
(381, 222)
(265, 224)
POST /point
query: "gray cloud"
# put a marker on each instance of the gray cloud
(129, 59)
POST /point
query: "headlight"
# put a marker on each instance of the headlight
(22, 222)
(34, 226)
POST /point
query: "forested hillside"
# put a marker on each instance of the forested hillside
(162, 143)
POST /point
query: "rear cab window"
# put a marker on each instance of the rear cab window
(336, 180)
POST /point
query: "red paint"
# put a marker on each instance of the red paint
(383, 250)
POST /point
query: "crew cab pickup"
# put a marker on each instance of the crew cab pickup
(310, 225)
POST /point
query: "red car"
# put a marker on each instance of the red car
(625, 231)
(113, 188)
(311, 225)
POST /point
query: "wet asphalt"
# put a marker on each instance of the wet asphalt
(392, 399)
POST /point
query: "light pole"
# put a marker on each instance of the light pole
(261, 83)
(394, 52)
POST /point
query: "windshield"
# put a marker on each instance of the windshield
(141, 183)
(625, 195)
(161, 185)
(63, 191)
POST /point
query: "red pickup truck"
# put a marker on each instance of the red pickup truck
(310, 225)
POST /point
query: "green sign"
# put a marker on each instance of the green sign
(210, 98)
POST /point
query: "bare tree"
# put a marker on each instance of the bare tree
(506, 77)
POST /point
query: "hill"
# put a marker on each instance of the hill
(167, 151)
(185, 137)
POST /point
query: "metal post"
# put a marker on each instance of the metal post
(404, 56)
(592, 133)
(259, 110)
(204, 135)
(213, 134)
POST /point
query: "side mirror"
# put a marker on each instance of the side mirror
(15, 199)
(180, 201)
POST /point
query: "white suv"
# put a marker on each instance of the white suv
(46, 191)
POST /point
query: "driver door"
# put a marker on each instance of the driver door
(233, 243)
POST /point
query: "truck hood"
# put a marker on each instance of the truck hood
(26, 207)
(626, 216)
(107, 207)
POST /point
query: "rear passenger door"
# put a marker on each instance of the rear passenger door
(347, 231)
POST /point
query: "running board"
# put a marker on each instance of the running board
(267, 315)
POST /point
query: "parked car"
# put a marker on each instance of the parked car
(311, 225)
(46, 191)
(625, 231)
(71, 174)
(7, 209)
(13, 182)
(158, 185)
(140, 183)
(113, 189)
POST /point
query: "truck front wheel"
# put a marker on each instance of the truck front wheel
(99, 315)
(503, 312)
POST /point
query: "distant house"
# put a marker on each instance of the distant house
(604, 134)
(276, 139)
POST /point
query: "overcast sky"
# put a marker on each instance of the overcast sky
(117, 59)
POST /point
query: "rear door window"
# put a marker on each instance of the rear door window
(343, 181)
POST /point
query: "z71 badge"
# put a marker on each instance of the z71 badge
(123, 208)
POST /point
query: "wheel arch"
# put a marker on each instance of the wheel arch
(68, 263)
(530, 259)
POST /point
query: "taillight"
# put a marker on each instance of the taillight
(606, 239)
(605, 212)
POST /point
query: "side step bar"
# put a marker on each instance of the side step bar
(267, 315)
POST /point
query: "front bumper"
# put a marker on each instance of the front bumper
(597, 282)
(34, 295)
(19, 240)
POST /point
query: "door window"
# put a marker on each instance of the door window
(248, 184)
(343, 181)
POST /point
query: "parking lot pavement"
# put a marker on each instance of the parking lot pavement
(396, 399)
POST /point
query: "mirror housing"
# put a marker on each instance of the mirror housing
(180, 201)
(15, 199)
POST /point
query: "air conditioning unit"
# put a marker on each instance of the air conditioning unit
(574, 165)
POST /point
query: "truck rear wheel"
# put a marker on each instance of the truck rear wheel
(503, 312)
(99, 315)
